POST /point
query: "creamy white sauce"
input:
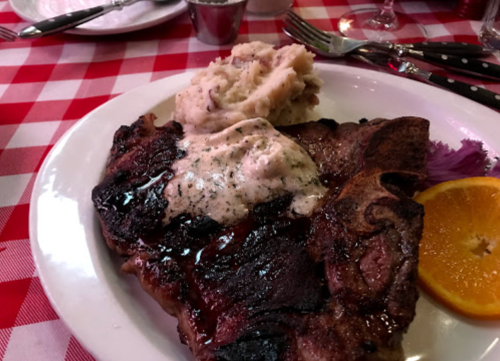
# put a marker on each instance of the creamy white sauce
(225, 174)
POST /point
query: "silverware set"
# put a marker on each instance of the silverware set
(458, 57)
(442, 54)
(67, 21)
(334, 46)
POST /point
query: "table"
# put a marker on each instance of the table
(48, 84)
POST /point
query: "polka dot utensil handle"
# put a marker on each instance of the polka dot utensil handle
(473, 92)
(405, 68)
(452, 48)
(468, 66)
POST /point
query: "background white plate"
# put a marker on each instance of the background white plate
(111, 315)
(140, 15)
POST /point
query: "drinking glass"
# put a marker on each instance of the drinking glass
(489, 34)
(381, 25)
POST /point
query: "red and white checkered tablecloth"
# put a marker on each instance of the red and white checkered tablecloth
(48, 84)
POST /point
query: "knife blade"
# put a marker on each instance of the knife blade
(408, 69)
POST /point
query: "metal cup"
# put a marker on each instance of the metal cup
(216, 22)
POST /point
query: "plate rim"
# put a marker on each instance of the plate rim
(110, 31)
(41, 262)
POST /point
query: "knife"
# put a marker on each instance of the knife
(452, 48)
(435, 47)
(462, 64)
(459, 64)
(405, 68)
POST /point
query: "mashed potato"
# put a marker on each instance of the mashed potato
(255, 81)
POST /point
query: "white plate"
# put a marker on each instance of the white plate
(111, 315)
(138, 16)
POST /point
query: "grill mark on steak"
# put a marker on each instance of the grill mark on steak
(130, 199)
(340, 285)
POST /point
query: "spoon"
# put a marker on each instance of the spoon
(70, 20)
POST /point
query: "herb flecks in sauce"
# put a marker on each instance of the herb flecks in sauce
(243, 165)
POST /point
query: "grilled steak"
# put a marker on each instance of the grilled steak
(340, 285)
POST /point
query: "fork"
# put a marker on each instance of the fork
(340, 46)
(321, 42)
(7, 34)
(333, 46)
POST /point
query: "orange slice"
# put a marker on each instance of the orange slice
(460, 248)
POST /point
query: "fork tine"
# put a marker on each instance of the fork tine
(6, 37)
(294, 34)
(300, 32)
(7, 34)
(298, 38)
(307, 34)
(324, 35)
(314, 45)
